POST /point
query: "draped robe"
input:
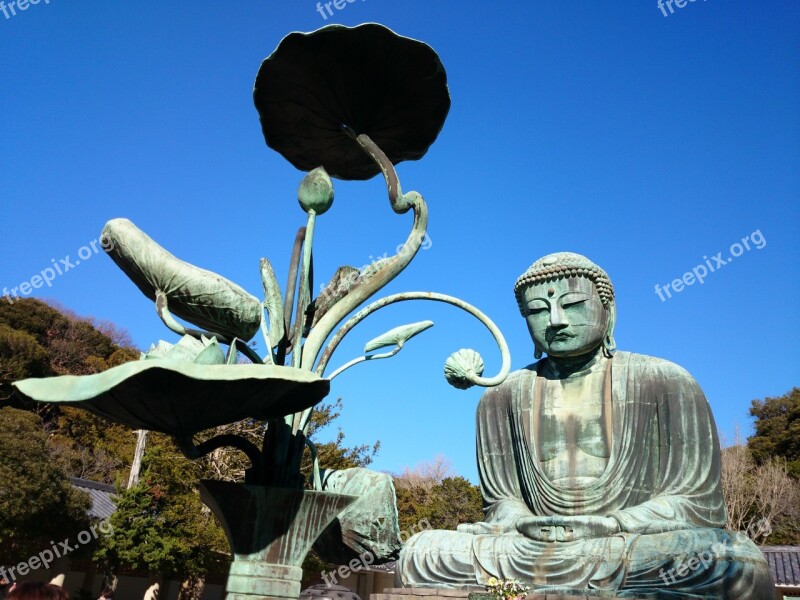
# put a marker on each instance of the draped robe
(661, 484)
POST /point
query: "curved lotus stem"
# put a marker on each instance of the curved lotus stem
(436, 297)
(304, 297)
(162, 308)
(316, 480)
(382, 272)
(398, 202)
(273, 304)
(361, 359)
(396, 338)
(192, 452)
(291, 284)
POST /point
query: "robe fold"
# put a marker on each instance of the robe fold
(661, 484)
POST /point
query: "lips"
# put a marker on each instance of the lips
(560, 337)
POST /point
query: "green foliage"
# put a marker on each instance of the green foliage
(444, 504)
(38, 340)
(777, 438)
(91, 447)
(21, 356)
(455, 501)
(777, 430)
(32, 316)
(37, 502)
(160, 524)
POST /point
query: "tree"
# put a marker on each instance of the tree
(777, 430)
(762, 500)
(37, 340)
(454, 501)
(91, 447)
(37, 502)
(430, 493)
(20, 356)
(161, 525)
(32, 316)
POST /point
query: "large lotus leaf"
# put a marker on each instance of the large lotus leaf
(316, 87)
(202, 297)
(180, 398)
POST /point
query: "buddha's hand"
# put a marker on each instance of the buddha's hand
(567, 529)
(483, 528)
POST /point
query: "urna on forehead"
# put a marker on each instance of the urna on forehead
(563, 265)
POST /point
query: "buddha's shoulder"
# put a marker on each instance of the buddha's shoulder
(521, 377)
(516, 377)
(653, 367)
(640, 364)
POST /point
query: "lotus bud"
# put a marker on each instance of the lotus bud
(316, 191)
(462, 367)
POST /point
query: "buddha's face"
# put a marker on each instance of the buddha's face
(565, 317)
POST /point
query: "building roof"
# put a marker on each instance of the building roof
(102, 495)
(784, 564)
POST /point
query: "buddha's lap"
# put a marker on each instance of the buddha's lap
(695, 547)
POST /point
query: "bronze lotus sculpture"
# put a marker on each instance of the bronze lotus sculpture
(342, 102)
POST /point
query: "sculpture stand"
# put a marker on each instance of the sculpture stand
(270, 531)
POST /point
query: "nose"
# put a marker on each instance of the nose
(557, 317)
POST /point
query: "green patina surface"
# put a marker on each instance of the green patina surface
(600, 470)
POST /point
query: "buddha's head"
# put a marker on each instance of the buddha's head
(568, 302)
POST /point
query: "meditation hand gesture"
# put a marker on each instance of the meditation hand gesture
(567, 529)
(484, 528)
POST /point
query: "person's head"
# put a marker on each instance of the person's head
(36, 590)
(568, 303)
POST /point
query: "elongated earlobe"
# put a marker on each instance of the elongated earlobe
(537, 353)
(609, 343)
(609, 346)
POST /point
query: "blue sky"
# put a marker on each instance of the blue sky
(645, 142)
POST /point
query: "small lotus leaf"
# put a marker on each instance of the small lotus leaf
(397, 336)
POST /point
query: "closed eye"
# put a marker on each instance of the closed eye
(573, 303)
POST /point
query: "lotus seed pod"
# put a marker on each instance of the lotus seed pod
(462, 367)
(316, 191)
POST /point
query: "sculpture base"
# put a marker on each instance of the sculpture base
(248, 580)
(270, 530)
(476, 593)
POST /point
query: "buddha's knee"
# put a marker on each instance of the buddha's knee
(713, 562)
(433, 540)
